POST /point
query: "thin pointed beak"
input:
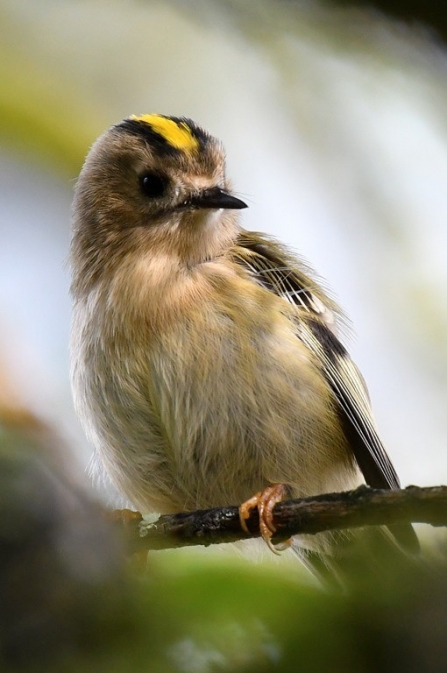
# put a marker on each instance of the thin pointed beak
(215, 197)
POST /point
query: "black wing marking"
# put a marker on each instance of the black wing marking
(280, 274)
(352, 397)
(273, 267)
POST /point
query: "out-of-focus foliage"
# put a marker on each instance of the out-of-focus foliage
(432, 14)
(41, 113)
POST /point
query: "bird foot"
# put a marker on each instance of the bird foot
(265, 501)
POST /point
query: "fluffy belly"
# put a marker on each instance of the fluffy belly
(181, 428)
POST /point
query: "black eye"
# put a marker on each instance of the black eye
(152, 185)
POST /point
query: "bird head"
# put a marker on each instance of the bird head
(157, 184)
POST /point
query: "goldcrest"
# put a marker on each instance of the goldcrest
(206, 363)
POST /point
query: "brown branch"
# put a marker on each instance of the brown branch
(333, 511)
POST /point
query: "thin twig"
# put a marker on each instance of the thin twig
(333, 511)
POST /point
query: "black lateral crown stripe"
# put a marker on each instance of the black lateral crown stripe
(202, 136)
(144, 130)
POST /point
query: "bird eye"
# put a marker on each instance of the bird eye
(152, 185)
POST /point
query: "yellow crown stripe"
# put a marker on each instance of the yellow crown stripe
(178, 135)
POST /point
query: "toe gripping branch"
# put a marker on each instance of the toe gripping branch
(265, 501)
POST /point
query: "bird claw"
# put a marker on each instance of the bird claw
(265, 501)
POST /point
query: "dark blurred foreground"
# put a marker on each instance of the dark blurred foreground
(70, 600)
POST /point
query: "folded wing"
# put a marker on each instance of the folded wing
(275, 269)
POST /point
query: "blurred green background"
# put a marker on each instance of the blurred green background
(334, 118)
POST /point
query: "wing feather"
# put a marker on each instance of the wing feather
(274, 268)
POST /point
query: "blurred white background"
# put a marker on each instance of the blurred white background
(335, 129)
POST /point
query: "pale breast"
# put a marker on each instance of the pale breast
(211, 407)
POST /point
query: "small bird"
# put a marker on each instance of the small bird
(206, 365)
